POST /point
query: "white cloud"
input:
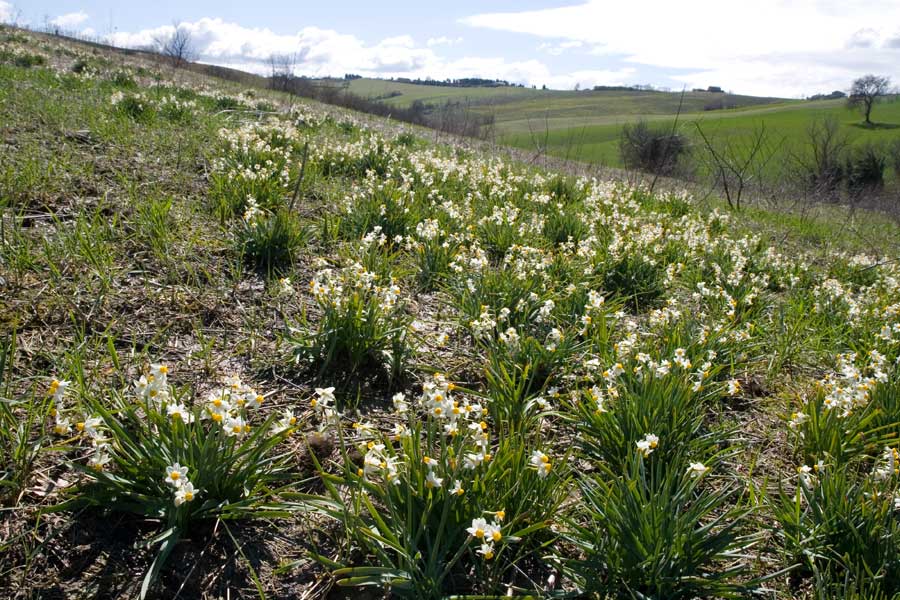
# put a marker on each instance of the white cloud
(319, 51)
(323, 52)
(557, 49)
(443, 41)
(70, 20)
(6, 12)
(765, 46)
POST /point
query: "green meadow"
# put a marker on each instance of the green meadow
(586, 125)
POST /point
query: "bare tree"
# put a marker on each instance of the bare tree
(865, 91)
(282, 71)
(821, 169)
(179, 47)
(736, 164)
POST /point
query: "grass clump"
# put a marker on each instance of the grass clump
(270, 241)
(361, 324)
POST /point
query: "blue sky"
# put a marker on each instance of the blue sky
(767, 47)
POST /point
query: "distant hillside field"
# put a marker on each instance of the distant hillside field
(586, 125)
(786, 123)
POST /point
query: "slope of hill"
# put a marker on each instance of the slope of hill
(252, 346)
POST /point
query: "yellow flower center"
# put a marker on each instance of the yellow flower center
(479, 533)
(496, 536)
(188, 496)
(175, 475)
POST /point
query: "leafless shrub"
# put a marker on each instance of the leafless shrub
(281, 68)
(820, 169)
(178, 47)
(651, 149)
(737, 164)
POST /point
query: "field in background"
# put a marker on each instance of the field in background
(586, 125)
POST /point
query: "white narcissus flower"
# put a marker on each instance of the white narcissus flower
(62, 425)
(400, 403)
(176, 475)
(185, 493)
(98, 460)
(179, 411)
(492, 532)
(647, 445)
(487, 551)
(473, 459)
(541, 462)
(218, 406)
(90, 426)
(433, 481)
(159, 372)
(235, 426)
(58, 388)
(325, 396)
(479, 528)
(697, 469)
(286, 421)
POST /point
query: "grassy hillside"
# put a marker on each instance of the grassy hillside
(404, 94)
(515, 103)
(252, 347)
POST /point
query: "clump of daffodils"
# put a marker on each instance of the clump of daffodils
(850, 387)
(890, 465)
(487, 534)
(90, 427)
(227, 406)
